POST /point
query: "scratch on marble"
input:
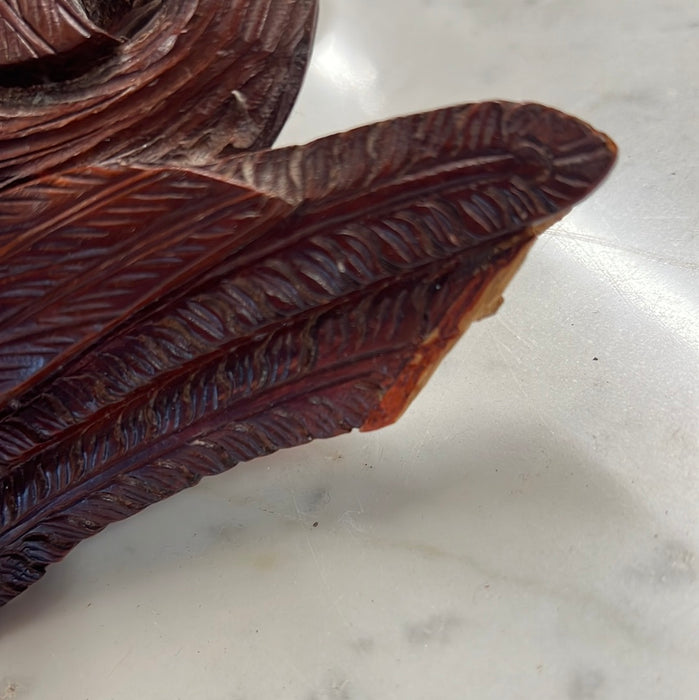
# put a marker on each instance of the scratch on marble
(118, 663)
(350, 520)
(645, 295)
(558, 232)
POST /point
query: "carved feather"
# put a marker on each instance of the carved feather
(220, 313)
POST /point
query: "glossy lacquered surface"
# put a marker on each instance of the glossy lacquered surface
(529, 527)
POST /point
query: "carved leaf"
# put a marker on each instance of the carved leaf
(286, 295)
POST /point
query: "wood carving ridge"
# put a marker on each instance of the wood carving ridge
(176, 297)
(200, 78)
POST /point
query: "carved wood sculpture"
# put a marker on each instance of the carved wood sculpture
(175, 299)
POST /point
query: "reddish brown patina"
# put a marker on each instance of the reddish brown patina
(176, 298)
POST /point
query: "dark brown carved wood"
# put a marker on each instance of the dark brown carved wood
(201, 78)
(31, 30)
(171, 307)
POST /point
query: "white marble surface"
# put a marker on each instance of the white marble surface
(530, 528)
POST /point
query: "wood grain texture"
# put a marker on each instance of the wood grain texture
(214, 316)
(200, 78)
(31, 29)
(166, 314)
